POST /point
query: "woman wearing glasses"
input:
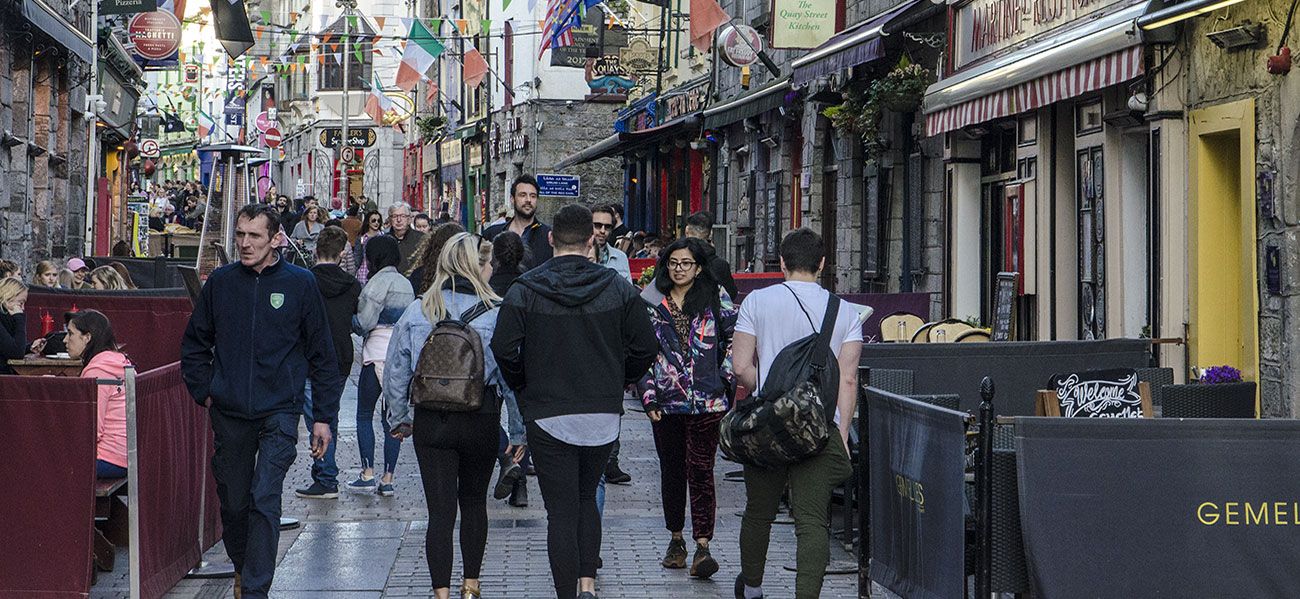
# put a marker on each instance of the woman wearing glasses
(687, 392)
(371, 226)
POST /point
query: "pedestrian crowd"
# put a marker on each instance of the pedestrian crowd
(512, 351)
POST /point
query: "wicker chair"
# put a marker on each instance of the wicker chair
(974, 336)
(1010, 573)
(951, 402)
(948, 331)
(899, 327)
(1230, 400)
(1158, 378)
(898, 382)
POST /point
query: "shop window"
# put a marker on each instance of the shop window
(1088, 117)
(1027, 131)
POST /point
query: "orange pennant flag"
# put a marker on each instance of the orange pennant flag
(293, 16)
(461, 24)
(706, 16)
(380, 22)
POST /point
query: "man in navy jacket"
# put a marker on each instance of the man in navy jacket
(258, 330)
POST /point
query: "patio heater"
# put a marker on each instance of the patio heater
(228, 190)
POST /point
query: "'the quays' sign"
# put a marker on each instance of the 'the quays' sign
(802, 23)
(982, 27)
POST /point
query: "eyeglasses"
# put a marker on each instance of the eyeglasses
(398, 216)
(681, 264)
(602, 226)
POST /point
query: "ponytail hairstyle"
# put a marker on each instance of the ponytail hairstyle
(464, 255)
(508, 251)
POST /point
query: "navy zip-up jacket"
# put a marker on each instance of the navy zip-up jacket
(254, 338)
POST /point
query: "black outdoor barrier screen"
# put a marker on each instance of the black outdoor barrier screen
(917, 502)
(1146, 507)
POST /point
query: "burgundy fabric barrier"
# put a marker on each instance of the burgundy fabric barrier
(885, 304)
(47, 494)
(172, 449)
(149, 329)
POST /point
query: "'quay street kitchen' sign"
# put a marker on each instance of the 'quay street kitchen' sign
(802, 23)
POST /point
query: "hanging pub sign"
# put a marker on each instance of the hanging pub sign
(126, 7)
(608, 80)
(154, 38)
(639, 57)
(592, 33)
(983, 27)
(803, 23)
(739, 45)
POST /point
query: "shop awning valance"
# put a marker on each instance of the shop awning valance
(757, 102)
(1096, 55)
(623, 142)
(856, 45)
(56, 27)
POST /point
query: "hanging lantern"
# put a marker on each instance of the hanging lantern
(149, 168)
(132, 150)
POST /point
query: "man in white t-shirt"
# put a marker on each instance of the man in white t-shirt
(769, 320)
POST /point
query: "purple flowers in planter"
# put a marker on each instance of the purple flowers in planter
(1220, 374)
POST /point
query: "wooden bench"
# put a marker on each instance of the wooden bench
(111, 520)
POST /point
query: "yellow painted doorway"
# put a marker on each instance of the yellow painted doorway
(1223, 281)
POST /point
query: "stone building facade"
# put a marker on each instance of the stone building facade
(549, 130)
(43, 131)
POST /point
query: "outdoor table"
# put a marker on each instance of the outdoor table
(45, 366)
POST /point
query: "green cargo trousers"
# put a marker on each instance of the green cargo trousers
(811, 482)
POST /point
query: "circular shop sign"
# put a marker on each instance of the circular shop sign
(734, 50)
(149, 148)
(156, 35)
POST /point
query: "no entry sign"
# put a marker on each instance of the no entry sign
(272, 137)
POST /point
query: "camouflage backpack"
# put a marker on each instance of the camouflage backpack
(791, 418)
(449, 372)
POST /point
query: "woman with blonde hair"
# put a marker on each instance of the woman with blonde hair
(456, 450)
(105, 277)
(13, 325)
(67, 278)
(47, 274)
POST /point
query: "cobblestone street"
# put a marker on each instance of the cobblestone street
(363, 546)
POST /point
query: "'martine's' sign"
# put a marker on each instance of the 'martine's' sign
(802, 23)
(983, 27)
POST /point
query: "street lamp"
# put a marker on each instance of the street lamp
(348, 7)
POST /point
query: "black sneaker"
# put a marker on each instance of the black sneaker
(519, 495)
(675, 557)
(318, 491)
(586, 595)
(615, 475)
(703, 566)
(506, 482)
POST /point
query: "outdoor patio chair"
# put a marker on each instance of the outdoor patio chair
(949, 330)
(951, 402)
(974, 336)
(1158, 378)
(899, 327)
(895, 381)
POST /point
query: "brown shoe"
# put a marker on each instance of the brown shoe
(704, 565)
(676, 556)
(239, 586)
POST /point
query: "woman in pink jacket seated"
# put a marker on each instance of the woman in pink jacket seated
(90, 338)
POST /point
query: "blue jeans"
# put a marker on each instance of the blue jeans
(367, 396)
(108, 470)
(251, 459)
(324, 471)
(505, 459)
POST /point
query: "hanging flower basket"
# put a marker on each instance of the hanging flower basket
(902, 89)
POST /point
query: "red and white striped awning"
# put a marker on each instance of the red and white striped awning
(1067, 83)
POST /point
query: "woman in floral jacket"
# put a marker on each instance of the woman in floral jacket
(687, 392)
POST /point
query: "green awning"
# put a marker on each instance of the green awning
(754, 103)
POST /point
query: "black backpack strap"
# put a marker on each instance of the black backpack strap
(828, 328)
(800, 302)
(477, 310)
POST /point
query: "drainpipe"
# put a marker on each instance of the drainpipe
(909, 143)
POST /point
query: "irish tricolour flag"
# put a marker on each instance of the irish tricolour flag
(422, 49)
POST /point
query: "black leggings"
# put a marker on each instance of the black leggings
(456, 452)
(568, 475)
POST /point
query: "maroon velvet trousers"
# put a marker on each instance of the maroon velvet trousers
(687, 444)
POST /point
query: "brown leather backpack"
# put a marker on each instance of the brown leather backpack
(449, 372)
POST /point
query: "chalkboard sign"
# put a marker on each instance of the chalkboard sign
(1004, 306)
(1110, 393)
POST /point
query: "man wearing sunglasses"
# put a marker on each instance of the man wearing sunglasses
(603, 219)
